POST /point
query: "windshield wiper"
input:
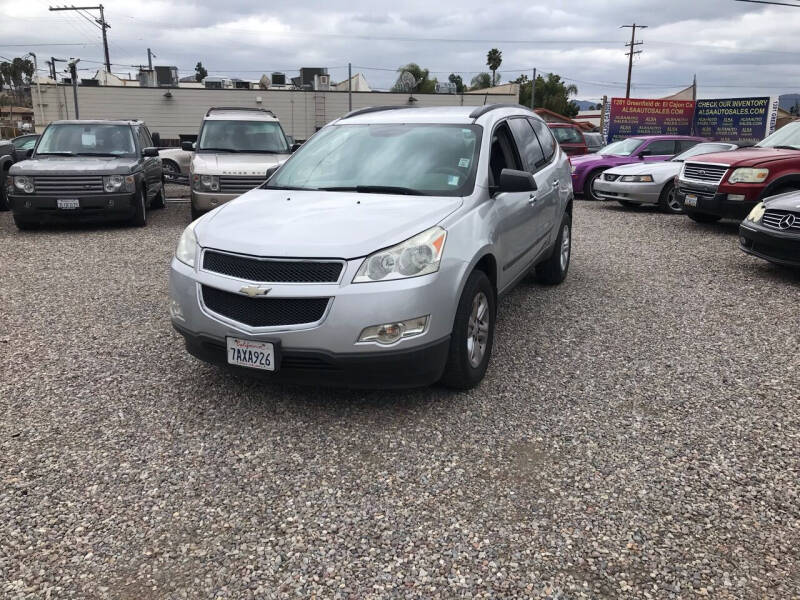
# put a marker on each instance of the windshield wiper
(376, 189)
(217, 150)
(286, 187)
(98, 154)
(61, 153)
(785, 147)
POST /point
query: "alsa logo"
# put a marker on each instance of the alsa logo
(242, 173)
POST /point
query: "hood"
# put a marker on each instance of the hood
(74, 165)
(585, 161)
(748, 157)
(787, 201)
(656, 169)
(231, 163)
(312, 224)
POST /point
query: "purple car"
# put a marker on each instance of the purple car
(647, 148)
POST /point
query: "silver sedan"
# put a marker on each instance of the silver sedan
(651, 183)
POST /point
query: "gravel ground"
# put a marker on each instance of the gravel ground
(637, 436)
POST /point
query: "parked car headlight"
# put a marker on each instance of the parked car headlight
(119, 183)
(637, 178)
(205, 183)
(24, 183)
(416, 256)
(757, 212)
(572, 168)
(187, 246)
(748, 175)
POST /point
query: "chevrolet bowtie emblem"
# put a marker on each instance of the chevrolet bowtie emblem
(255, 290)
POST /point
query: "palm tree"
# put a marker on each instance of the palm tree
(493, 60)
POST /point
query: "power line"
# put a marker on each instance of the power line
(101, 23)
(631, 52)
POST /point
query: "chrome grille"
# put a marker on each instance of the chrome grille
(704, 173)
(773, 218)
(68, 185)
(229, 184)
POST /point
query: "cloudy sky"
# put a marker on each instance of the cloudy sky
(735, 48)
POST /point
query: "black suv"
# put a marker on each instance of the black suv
(11, 151)
(88, 171)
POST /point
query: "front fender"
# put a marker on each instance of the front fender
(791, 180)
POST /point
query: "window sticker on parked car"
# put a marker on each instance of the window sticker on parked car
(463, 162)
(452, 180)
(88, 139)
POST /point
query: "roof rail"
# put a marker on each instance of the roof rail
(249, 108)
(371, 109)
(482, 110)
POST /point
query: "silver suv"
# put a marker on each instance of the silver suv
(375, 255)
(234, 150)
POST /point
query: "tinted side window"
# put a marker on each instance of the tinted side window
(144, 137)
(659, 147)
(684, 145)
(527, 143)
(545, 137)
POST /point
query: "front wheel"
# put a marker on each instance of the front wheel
(3, 200)
(699, 217)
(668, 200)
(139, 218)
(473, 334)
(554, 270)
(588, 187)
(160, 197)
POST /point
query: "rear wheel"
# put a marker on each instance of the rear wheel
(554, 270)
(139, 218)
(699, 217)
(588, 187)
(473, 334)
(668, 200)
(171, 170)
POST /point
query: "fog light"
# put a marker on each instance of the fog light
(736, 197)
(176, 310)
(389, 333)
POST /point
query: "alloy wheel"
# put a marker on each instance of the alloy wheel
(478, 329)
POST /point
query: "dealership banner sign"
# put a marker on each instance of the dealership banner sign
(626, 117)
(736, 119)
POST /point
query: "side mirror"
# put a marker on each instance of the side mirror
(150, 152)
(290, 140)
(512, 180)
(271, 171)
(188, 146)
(28, 152)
(644, 153)
(294, 147)
(156, 138)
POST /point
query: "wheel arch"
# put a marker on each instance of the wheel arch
(790, 180)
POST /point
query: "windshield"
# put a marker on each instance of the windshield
(622, 147)
(702, 149)
(425, 159)
(566, 135)
(786, 136)
(91, 139)
(243, 136)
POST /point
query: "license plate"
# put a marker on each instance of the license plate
(247, 353)
(68, 203)
(690, 200)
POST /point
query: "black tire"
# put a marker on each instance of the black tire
(24, 224)
(554, 270)
(139, 218)
(700, 217)
(3, 199)
(588, 186)
(462, 372)
(196, 214)
(668, 202)
(628, 204)
(160, 198)
(171, 169)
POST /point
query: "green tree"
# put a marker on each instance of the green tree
(16, 75)
(493, 60)
(200, 72)
(481, 81)
(425, 85)
(458, 81)
(551, 93)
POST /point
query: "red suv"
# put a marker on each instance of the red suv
(569, 137)
(730, 184)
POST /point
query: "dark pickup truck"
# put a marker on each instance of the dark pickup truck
(88, 171)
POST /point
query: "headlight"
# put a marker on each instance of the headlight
(416, 256)
(748, 175)
(572, 168)
(24, 183)
(637, 178)
(206, 183)
(187, 246)
(119, 183)
(757, 212)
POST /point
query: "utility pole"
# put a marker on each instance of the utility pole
(73, 72)
(150, 57)
(631, 52)
(349, 87)
(694, 87)
(533, 90)
(100, 23)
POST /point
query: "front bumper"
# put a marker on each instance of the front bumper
(205, 201)
(96, 207)
(775, 246)
(641, 193)
(713, 199)
(332, 341)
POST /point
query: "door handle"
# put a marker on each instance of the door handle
(532, 199)
(556, 183)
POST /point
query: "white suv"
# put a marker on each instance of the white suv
(235, 148)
